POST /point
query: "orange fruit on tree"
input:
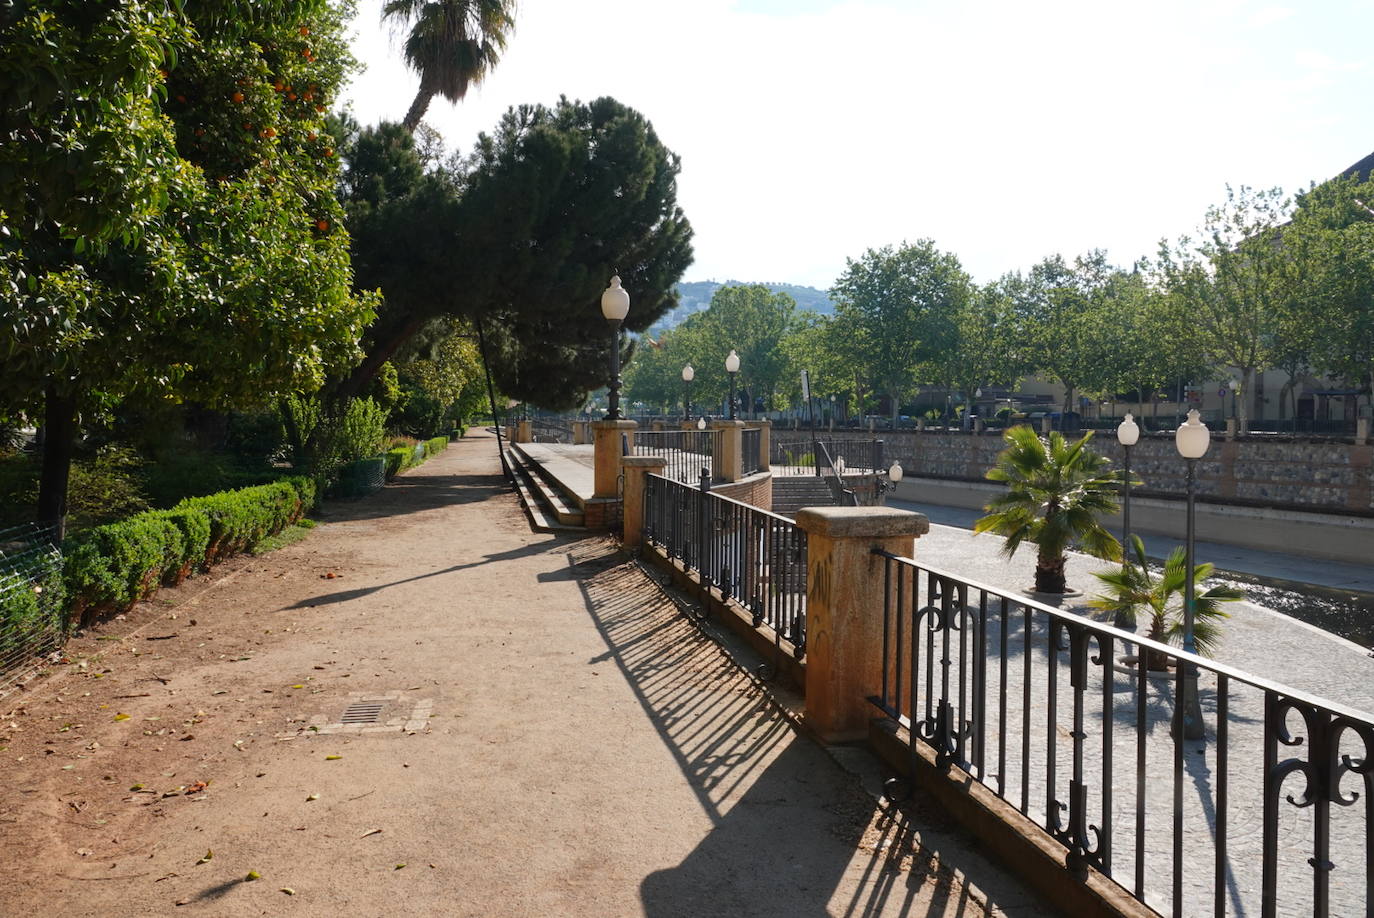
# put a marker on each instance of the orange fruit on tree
(305, 30)
(237, 97)
(322, 225)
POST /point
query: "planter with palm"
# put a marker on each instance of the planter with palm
(1134, 591)
(1056, 493)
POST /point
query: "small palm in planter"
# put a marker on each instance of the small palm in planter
(1133, 591)
(1055, 493)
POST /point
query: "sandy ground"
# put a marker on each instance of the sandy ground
(554, 737)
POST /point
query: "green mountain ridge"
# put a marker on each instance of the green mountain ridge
(695, 296)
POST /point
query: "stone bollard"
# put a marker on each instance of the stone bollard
(606, 453)
(844, 610)
(524, 431)
(1362, 431)
(1230, 428)
(580, 432)
(1045, 424)
(636, 469)
(727, 451)
(765, 445)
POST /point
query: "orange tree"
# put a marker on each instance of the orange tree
(168, 229)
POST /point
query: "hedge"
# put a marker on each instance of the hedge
(109, 568)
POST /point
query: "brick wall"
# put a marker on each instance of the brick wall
(1329, 477)
(755, 490)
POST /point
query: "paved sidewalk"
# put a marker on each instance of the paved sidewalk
(588, 751)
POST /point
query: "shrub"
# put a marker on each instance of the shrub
(240, 518)
(434, 444)
(112, 567)
(194, 526)
(31, 612)
(398, 459)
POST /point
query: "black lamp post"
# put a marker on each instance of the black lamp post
(615, 304)
(732, 368)
(687, 374)
(1192, 440)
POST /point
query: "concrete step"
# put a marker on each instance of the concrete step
(792, 492)
(547, 509)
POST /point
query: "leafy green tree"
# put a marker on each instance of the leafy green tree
(1237, 282)
(169, 231)
(985, 349)
(521, 238)
(451, 44)
(816, 344)
(1056, 491)
(897, 308)
(1332, 238)
(1060, 310)
(1133, 591)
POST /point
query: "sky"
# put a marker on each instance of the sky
(1004, 130)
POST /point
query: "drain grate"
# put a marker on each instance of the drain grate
(363, 712)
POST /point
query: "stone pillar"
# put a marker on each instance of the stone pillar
(524, 431)
(1046, 424)
(606, 450)
(726, 455)
(1230, 428)
(579, 432)
(689, 424)
(1362, 431)
(632, 511)
(657, 425)
(844, 610)
(920, 423)
(765, 447)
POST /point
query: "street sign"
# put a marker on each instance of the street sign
(1222, 392)
(806, 386)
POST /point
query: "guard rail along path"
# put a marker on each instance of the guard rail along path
(1267, 814)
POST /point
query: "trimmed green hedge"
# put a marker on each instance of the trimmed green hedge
(403, 456)
(109, 568)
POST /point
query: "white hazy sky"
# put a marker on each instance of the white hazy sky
(1005, 130)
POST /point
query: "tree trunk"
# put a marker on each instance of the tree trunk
(59, 439)
(379, 354)
(1156, 661)
(417, 109)
(1242, 401)
(1049, 574)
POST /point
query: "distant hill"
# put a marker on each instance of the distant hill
(695, 296)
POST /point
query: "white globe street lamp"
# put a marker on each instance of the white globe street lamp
(1192, 440)
(615, 305)
(732, 367)
(687, 375)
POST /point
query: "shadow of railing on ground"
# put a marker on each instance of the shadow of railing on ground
(793, 833)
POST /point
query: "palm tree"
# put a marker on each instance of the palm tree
(1133, 590)
(451, 45)
(1055, 493)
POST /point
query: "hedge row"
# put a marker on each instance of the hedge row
(403, 456)
(109, 568)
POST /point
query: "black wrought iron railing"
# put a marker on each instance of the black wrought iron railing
(792, 455)
(746, 555)
(751, 447)
(687, 452)
(833, 475)
(1267, 814)
(548, 430)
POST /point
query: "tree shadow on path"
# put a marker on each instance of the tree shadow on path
(793, 833)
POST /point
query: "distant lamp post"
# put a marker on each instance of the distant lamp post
(687, 374)
(1234, 385)
(894, 478)
(839, 467)
(732, 367)
(701, 423)
(1127, 434)
(1192, 440)
(615, 305)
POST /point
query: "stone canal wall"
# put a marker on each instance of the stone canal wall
(1314, 476)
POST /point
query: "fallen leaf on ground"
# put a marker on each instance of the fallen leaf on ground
(332, 758)
(121, 717)
(209, 855)
(398, 867)
(369, 832)
(252, 875)
(312, 797)
(288, 890)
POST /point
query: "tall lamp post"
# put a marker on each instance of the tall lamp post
(615, 304)
(732, 367)
(1127, 434)
(1234, 385)
(1192, 440)
(687, 374)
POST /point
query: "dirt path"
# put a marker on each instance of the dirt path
(554, 738)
